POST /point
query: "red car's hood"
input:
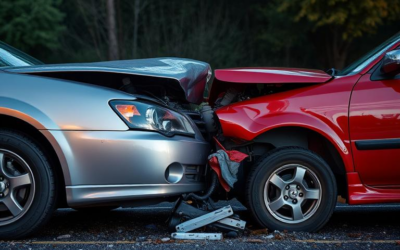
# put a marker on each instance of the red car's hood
(226, 78)
(271, 75)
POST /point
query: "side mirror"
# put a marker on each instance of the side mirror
(391, 63)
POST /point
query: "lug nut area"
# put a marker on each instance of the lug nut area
(293, 193)
(4, 187)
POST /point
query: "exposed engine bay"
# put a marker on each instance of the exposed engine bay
(241, 92)
(162, 89)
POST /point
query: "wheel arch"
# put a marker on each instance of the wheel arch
(310, 139)
(34, 130)
(249, 121)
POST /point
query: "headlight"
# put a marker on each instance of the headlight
(147, 116)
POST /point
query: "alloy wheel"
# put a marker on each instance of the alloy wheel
(17, 187)
(292, 193)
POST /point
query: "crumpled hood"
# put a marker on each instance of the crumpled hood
(190, 75)
(225, 78)
(271, 75)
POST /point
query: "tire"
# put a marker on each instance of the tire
(27, 186)
(292, 189)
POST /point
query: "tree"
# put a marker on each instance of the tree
(113, 51)
(284, 41)
(87, 28)
(138, 6)
(336, 23)
(30, 25)
(202, 30)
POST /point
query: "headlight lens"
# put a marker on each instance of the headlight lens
(147, 116)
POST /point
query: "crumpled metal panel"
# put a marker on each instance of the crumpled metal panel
(191, 75)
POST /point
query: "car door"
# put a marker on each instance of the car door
(375, 129)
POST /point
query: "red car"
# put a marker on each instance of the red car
(312, 136)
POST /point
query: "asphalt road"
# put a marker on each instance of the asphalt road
(351, 227)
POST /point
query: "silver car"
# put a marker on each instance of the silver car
(106, 134)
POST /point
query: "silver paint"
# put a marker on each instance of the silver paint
(94, 195)
(130, 157)
(100, 158)
(60, 105)
(190, 75)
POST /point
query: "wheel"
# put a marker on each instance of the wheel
(27, 186)
(291, 189)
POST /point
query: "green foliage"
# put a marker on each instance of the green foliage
(200, 29)
(283, 39)
(354, 17)
(28, 25)
(234, 33)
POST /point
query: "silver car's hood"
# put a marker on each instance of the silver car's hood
(191, 75)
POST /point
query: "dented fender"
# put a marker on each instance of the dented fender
(322, 108)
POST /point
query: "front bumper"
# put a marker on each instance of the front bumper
(118, 166)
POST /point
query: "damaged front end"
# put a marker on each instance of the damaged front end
(239, 97)
(171, 80)
(181, 85)
(175, 83)
(232, 156)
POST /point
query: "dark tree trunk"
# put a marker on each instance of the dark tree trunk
(135, 28)
(120, 31)
(113, 51)
(332, 50)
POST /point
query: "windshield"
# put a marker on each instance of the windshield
(369, 57)
(10, 56)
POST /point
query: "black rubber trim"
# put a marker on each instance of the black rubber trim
(378, 75)
(378, 144)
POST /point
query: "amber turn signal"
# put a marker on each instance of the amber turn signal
(127, 111)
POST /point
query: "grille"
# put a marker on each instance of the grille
(196, 118)
(194, 173)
